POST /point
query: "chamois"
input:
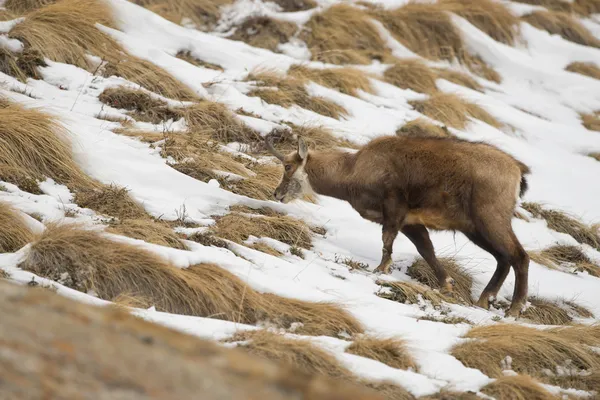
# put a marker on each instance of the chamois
(410, 184)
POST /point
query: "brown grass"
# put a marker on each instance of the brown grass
(14, 232)
(345, 80)
(452, 110)
(563, 24)
(238, 226)
(289, 91)
(21, 65)
(149, 231)
(572, 256)
(389, 351)
(422, 128)
(141, 105)
(584, 68)
(260, 186)
(582, 7)
(448, 395)
(518, 387)
(533, 351)
(110, 200)
(216, 120)
(578, 309)
(296, 5)
(343, 34)
(460, 78)
(34, 145)
(4, 274)
(463, 282)
(411, 293)
(591, 121)
(85, 260)
(265, 32)
(565, 223)
(187, 56)
(546, 312)
(126, 300)
(25, 6)
(412, 74)
(595, 156)
(491, 17)
(316, 137)
(203, 13)
(589, 382)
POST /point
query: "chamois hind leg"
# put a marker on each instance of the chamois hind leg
(393, 217)
(419, 236)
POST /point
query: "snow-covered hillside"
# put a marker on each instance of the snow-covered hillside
(537, 102)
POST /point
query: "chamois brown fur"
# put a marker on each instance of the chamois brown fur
(411, 184)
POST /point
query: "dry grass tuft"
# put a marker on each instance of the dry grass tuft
(389, 391)
(463, 282)
(296, 5)
(86, 260)
(588, 381)
(316, 137)
(25, 6)
(567, 256)
(126, 300)
(4, 274)
(591, 121)
(345, 80)
(460, 78)
(291, 91)
(149, 231)
(584, 68)
(582, 7)
(422, 128)
(452, 110)
(546, 312)
(563, 24)
(412, 74)
(219, 123)
(34, 145)
(265, 32)
(14, 233)
(187, 56)
(448, 395)
(565, 223)
(239, 226)
(491, 17)
(412, 293)
(259, 186)
(517, 387)
(579, 310)
(343, 34)
(110, 200)
(204, 14)
(534, 352)
(389, 351)
(595, 156)
(21, 65)
(142, 106)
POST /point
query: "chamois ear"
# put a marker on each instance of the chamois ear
(302, 149)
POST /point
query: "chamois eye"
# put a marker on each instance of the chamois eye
(288, 167)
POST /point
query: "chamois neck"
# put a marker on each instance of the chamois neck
(327, 172)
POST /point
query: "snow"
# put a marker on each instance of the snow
(538, 102)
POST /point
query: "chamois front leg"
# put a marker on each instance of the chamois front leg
(393, 217)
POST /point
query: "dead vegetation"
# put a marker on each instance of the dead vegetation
(388, 351)
(591, 121)
(539, 353)
(316, 137)
(519, 387)
(493, 18)
(260, 185)
(296, 5)
(147, 230)
(288, 91)
(21, 65)
(265, 32)
(595, 156)
(584, 68)
(463, 282)
(110, 200)
(422, 128)
(343, 34)
(452, 110)
(412, 74)
(34, 146)
(566, 256)
(219, 123)
(187, 56)
(562, 24)
(546, 312)
(140, 104)
(240, 224)
(20, 7)
(411, 293)
(581, 7)
(460, 78)
(86, 260)
(346, 80)
(204, 14)
(14, 233)
(565, 223)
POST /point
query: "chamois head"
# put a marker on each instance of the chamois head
(294, 183)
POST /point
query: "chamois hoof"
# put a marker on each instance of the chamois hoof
(483, 302)
(447, 287)
(383, 269)
(514, 311)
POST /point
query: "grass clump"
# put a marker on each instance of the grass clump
(316, 137)
(582, 7)
(519, 387)
(493, 18)
(452, 110)
(24, 6)
(345, 79)
(595, 156)
(411, 74)
(14, 233)
(534, 352)
(296, 5)
(411, 293)
(565, 223)
(388, 351)
(343, 34)
(34, 145)
(584, 68)
(291, 91)
(239, 225)
(422, 128)
(88, 261)
(562, 24)
(546, 312)
(141, 105)
(463, 282)
(460, 78)
(265, 32)
(567, 256)
(591, 121)
(204, 14)
(219, 123)
(149, 231)
(259, 186)
(21, 65)
(110, 200)
(187, 56)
